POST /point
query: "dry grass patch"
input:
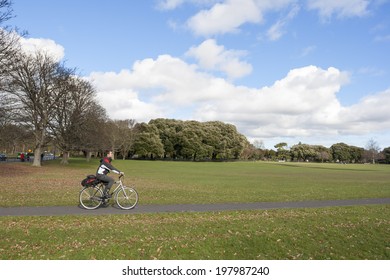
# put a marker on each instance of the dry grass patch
(25, 185)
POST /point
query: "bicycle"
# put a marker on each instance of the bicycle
(91, 197)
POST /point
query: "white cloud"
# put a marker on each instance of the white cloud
(339, 8)
(371, 71)
(173, 4)
(229, 15)
(214, 57)
(308, 50)
(156, 87)
(224, 17)
(32, 45)
(276, 31)
(370, 114)
(125, 104)
(302, 104)
(169, 79)
(169, 4)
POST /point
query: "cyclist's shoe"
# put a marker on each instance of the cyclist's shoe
(107, 196)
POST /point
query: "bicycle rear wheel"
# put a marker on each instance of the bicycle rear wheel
(126, 198)
(91, 197)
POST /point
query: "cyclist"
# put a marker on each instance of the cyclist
(104, 168)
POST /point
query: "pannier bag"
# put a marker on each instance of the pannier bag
(89, 181)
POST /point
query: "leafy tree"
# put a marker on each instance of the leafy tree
(356, 154)
(196, 140)
(270, 154)
(302, 152)
(308, 152)
(147, 142)
(386, 154)
(169, 134)
(322, 153)
(340, 152)
(282, 152)
(225, 140)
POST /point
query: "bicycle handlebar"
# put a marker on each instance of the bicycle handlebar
(121, 175)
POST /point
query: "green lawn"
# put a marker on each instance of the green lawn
(327, 233)
(188, 182)
(359, 232)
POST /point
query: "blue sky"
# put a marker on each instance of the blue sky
(309, 71)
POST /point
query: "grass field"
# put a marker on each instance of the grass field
(361, 232)
(189, 182)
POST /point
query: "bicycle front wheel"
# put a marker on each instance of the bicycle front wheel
(91, 197)
(126, 198)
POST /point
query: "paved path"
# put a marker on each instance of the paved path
(76, 210)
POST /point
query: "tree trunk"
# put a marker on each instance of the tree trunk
(89, 156)
(37, 157)
(113, 153)
(65, 158)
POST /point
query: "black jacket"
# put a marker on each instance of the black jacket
(105, 167)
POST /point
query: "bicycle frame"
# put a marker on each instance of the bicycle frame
(125, 197)
(120, 184)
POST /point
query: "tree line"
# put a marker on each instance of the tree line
(339, 152)
(44, 103)
(189, 140)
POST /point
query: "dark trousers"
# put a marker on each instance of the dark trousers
(107, 180)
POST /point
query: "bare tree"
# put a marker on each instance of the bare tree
(5, 10)
(120, 135)
(113, 136)
(372, 150)
(8, 50)
(94, 135)
(125, 131)
(8, 39)
(259, 144)
(9, 47)
(14, 137)
(37, 82)
(69, 120)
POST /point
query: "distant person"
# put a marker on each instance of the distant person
(22, 157)
(104, 168)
